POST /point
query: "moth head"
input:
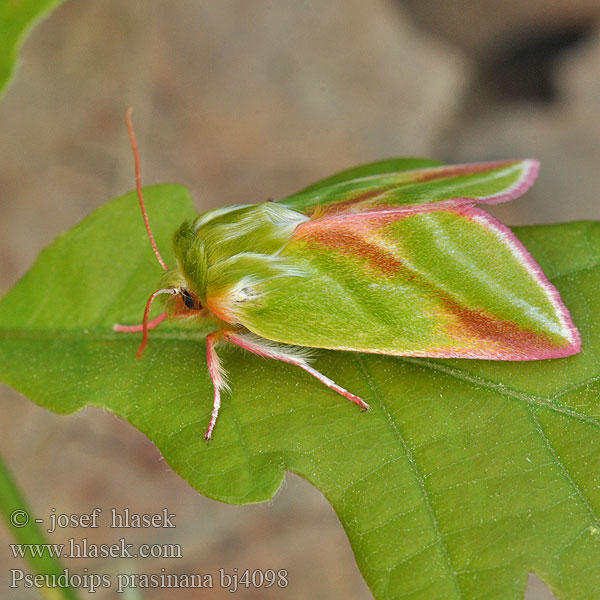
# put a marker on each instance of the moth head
(184, 302)
(190, 300)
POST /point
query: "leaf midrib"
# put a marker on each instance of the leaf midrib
(104, 335)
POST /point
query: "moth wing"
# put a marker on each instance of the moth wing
(430, 280)
(380, 167)
(401, 182)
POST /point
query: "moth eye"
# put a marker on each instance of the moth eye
(190, 301)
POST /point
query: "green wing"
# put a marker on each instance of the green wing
(434, 280)
(380, 167)
(414, 181)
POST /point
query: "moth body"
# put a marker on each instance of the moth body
(393, 257)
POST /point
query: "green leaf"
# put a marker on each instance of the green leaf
(17, 18)
(464, 477)
(27, 531)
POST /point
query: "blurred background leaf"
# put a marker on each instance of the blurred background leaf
(28, 533)
(17, 17)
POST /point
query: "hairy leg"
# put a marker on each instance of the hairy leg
(287, 354)
(217, 376)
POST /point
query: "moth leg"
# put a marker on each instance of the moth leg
(217, 376)
(287, 354)
(135, 328)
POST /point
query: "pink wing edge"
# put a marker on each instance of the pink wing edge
(531, 169)
(573, 335)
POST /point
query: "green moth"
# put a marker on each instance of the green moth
(393, 257)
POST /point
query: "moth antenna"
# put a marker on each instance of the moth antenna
(138, 186)
(173, 292)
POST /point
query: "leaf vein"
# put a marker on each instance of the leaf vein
(416, 472)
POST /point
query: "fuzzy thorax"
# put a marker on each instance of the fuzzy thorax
(224, 255)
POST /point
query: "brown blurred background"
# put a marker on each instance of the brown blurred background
(244, 101)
